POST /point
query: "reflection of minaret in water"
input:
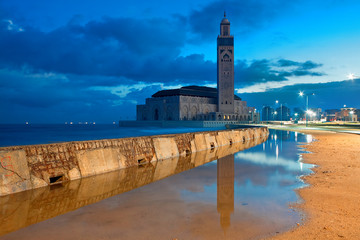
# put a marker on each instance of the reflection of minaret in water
(225, 190)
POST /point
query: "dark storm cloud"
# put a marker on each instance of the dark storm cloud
(308, 65)
(111, 50)
(325, 96)
(248, 15)
(265, 70)
(111, 47)
(45, 90)
(185, 70)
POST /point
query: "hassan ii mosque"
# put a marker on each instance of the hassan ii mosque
(198, 102)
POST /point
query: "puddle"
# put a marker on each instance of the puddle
(207, 195)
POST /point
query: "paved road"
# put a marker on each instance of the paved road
(323, 128)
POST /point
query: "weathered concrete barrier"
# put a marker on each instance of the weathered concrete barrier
(30, 207)
(34, 166)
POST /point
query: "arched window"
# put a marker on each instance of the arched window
(156, 114)
(226, 31)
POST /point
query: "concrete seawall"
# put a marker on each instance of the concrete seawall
(28, 167)
(30, 207)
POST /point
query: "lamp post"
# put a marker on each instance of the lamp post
(307, 104)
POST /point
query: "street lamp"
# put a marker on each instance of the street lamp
(352, 76)
(301, 93)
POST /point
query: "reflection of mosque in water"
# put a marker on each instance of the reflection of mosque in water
(225, 190)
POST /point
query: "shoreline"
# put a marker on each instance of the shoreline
(331, 201)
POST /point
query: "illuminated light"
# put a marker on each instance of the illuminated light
(224, 117)
(277, 101)
(275, 112)
(351, 112)
(296, 114)
(275, 137)
(351, 76)
(309, 112)
(277, 152)
(301, 93)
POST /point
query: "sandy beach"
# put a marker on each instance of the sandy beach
(332, 201)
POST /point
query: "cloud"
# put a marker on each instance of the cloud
(308, 65)
(111, 47)
(265, 70)
(327, 95)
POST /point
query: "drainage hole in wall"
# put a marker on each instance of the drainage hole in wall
(230, 142)
(56, 180)
(187, 151)
(141, 161)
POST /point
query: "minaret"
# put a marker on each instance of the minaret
(225, 68)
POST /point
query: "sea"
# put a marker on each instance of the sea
(28, 134)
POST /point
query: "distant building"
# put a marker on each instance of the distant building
(347, 115)
(315, 114)
(203, 103)
(267, 113)
(299, 114)
(330, 114)
(357, 113)
(282, 113)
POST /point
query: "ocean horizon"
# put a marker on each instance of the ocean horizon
(29, 134)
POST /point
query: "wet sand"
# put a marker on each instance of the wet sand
(332, 201)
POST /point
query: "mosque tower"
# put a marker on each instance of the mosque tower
(225, 68)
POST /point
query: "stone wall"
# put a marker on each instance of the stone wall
(30, 207)
(33, 166)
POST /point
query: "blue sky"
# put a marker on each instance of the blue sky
(95, 60)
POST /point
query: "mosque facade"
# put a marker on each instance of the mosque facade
(198, 102)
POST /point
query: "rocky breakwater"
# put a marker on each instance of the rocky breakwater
(28, 167)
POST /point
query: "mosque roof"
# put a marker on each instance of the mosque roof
(195, 91)
(225, 21)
